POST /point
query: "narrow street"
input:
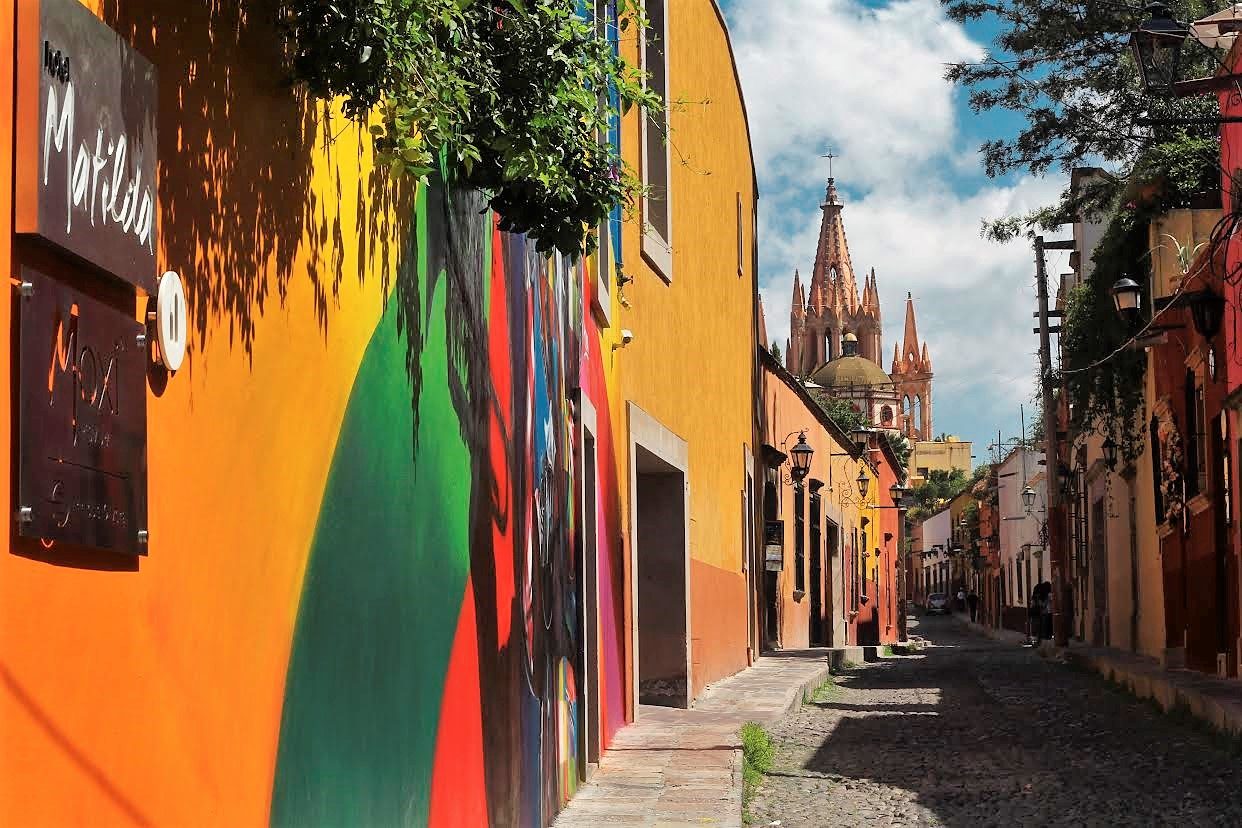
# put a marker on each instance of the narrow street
(969, 731)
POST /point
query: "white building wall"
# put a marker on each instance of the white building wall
(1017, 528)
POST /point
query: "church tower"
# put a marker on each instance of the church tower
(832, 312)
(833, 305)
(912, 376)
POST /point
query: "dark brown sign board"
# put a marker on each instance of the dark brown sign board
(86, 140)
(82, 408)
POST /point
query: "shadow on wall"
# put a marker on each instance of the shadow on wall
(236, 157)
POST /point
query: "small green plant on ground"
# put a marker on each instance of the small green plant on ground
(757, 755)
(825, 691)
(888, 650)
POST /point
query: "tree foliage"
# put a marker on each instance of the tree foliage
(1104, 384)
(1065, 68)
(939, 488)
(901, 450)
(840, 411)
(516, 93)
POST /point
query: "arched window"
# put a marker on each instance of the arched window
(917, 415)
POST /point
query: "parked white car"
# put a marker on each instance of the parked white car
(938, 602)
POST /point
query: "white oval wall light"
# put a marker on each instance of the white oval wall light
(170, 320)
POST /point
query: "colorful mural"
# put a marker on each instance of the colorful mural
(446, 535)
(364, 599)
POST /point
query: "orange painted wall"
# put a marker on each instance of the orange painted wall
(152, 695)
(785, 413)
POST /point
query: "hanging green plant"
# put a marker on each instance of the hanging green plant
(518, 94)
(1104, 385)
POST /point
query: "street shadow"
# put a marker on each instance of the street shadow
(1011, 739)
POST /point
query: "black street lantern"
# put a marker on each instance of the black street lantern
(1028, 498)
(896, 493)
(863, 483)
(1157, 47)
(862, 438)
(801, 455)
(1110, 452)
(1207, 311)
(1127, 298)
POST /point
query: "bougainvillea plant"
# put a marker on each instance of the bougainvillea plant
(518, 95)
(1171, 459)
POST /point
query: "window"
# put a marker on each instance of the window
(1194, 456)
(800, 540)
(657, 216)
(1201, 437)
(854, 568)
(608, 260)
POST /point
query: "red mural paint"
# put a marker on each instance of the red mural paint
(610, 565)
(501, 430)
(458, 785)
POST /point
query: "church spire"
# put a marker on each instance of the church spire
(910, 346)
(798, 305)
(833, 268)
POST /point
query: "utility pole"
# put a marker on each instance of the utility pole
(1056, 545)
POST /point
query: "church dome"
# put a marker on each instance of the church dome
(850, 371)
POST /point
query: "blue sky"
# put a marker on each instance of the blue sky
(866, 78)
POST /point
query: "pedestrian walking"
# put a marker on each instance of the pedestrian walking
(1045, 591)
(1034, 618)
(961, 600)
(972, 601)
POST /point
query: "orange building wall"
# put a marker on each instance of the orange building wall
(785, 413)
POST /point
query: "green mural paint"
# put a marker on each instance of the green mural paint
(383, 588)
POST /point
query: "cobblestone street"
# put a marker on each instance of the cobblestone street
(974, 732)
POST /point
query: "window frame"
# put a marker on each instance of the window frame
(657, 250)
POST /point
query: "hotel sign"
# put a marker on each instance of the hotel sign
(82, 475)
(86, 140)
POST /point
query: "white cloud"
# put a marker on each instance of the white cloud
(869, 82)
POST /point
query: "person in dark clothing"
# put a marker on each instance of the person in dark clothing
(1041, 612)
(1034, 619)
(1045, 589)
(972, 600)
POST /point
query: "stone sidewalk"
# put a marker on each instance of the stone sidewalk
(684, 767)
(1216, 701)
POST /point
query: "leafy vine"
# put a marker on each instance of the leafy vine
(519, 95)
(1109, 397)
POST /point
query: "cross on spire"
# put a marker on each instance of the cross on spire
(830, 155)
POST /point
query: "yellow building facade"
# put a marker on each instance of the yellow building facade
(686, 298)
(927, 456)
